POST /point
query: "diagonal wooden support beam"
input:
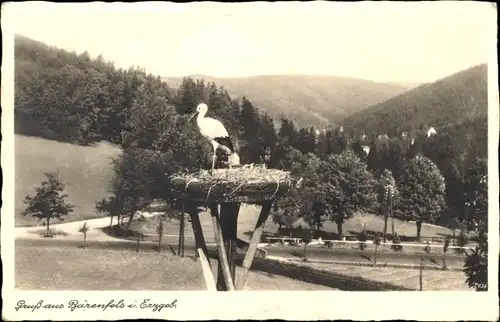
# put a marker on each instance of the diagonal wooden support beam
(244, 245)
(207, 271)
(254, 241)
(201, 250)
(221, 249)
(229, 224)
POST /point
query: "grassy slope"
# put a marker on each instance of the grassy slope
(308, 100)
(451, 100)
(60, 268)
(86, 171)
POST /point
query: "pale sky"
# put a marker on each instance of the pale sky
(414, 42)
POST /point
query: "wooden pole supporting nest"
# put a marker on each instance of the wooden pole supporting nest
(180, 247)
(223, 192)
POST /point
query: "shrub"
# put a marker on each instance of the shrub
(476, 263)
(363, 237)
(376, 242)
(396, 243)
(427, 247)
(462, 241)
(84, 230)
(446, 245)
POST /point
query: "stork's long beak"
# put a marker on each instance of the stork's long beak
(192, 116)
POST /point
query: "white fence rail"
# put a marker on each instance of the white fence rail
(324, 241)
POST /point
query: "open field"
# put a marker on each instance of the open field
(72, 268)
(432, 280)
(125, 269)
(65, 265)
(85, 170)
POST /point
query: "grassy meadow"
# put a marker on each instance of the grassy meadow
(67, 268)
(86, 170)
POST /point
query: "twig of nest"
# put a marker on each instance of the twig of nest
(248, 181)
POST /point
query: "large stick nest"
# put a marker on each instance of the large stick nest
(244, 184)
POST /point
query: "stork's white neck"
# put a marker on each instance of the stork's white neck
(200, 115)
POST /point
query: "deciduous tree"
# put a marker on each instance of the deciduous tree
(346, 187)
(49, 201)
(422, 190)
(476, 194)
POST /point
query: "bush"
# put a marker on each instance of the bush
(446, 244)
(363, 237)
(462, 241)
(427, 247)
(476, 263)
(396, 243)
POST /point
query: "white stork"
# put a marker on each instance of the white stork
(216, 133)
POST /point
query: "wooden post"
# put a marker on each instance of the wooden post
(221, 249)
(201, 249)
(183, 218)
(197, 230)
(254, 241)
(229, 223)
(180, 246)
(421, 270)
(392, 216)
(386, 217)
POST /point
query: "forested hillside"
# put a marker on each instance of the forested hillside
(69, 97)
(457, 107)
(319, 101)
(451, 100)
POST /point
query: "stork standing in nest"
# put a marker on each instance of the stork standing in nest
(216, 133)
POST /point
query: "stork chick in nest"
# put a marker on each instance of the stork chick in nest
(216, 133)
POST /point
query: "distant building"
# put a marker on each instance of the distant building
(383, 137)
(318, 132)
(431, 131)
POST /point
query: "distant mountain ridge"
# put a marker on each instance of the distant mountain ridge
(455, 99)
(320, 101)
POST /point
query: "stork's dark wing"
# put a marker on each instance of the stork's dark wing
(226, 141)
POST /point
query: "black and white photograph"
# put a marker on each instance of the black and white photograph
(343, 149)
